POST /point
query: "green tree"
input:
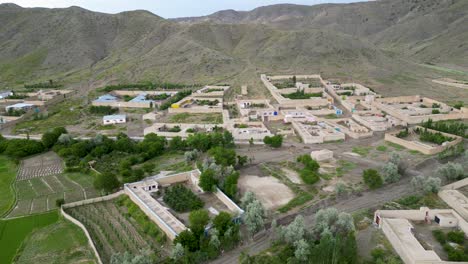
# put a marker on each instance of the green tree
(177, 143)
(106, 181)
(253, 217)
(372, 178)
(208, 181)
(247, 199)
(198, 220)
(50, 138)
(241, 160)
(59, 202)
(223, 156)
(302, 250)
(222, 222)
(274, 141)
(188, 240)
(390, 173)
(177, 252)
(451, 171)
(294, 231)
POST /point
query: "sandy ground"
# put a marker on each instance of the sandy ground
(292, 175)
(269, 190)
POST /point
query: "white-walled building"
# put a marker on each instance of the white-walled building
(19, 106)
(5, 94)
(114, 119)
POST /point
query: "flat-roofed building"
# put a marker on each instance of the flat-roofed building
(114, 119)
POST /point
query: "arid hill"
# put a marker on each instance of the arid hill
(386, 44)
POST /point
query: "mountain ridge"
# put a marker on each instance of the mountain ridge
(383, 38)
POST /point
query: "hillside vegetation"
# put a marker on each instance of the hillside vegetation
(384, 44)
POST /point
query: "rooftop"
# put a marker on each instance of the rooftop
(114, 117)
(19, 105)
(141, 98)
(106, 98)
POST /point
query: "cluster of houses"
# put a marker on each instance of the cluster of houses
(316, 110)
(15, 105)
(399, 225)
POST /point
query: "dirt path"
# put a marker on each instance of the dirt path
(367, 200)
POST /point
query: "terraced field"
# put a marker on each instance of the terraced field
(39, 194)
(114, 230)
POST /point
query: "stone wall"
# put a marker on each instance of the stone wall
(228, 202)
(152, 215)
(425, 149)
(80, 225)
(196, 110)
(93, 200)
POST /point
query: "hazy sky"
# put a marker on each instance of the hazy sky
(166, 8)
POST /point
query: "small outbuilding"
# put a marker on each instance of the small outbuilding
(322, 155)
(114, 119)
(5, 94)
(19, 106)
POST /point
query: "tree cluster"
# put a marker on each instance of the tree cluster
(436, 138)
(200, 245)
(274, 141)
(394, 168)
(372, 178)
(147, 86)
(455, 128)
(451, 171)
(330, 241)
(254, 213)
(426, 184)
(310, 173)
(182, 199)
(103, 110)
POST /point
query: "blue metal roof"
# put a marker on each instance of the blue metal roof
(141, 98)
(106, 98)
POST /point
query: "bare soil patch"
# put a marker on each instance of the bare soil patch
(292, 175)
(269, 190)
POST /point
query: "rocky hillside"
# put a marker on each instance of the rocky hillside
(379, 42)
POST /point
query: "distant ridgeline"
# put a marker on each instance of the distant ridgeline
(46, 85)
(148, 86)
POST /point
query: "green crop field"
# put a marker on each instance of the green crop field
(38, 195)
(7, 176)
(119, 226)
(62, 242)
(14, 231)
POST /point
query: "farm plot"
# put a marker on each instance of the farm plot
(114, 230)
(37, 195)
(41, 165)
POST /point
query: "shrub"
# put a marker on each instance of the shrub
(439, 235)
(390, 173)
(403, 133)
(437, 138)
(59, 202)
(451, 171)
(274, 141)
(372, 178)
(175, 129)
(309, 176)
(103, 110)
(182, 199)
(456, 237)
